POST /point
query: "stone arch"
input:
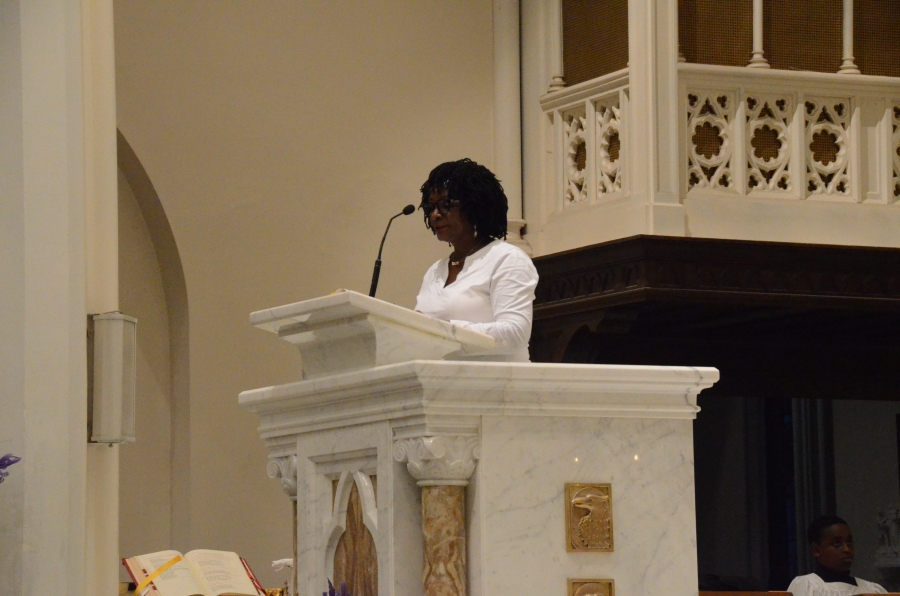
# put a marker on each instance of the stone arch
(176, 304)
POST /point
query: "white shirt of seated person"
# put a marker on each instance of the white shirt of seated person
(493, 294)
(813, 585)
(834, 557)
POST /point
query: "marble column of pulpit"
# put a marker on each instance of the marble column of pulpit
(442, 466)
(461, 466)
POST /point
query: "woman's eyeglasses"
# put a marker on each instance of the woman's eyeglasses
(444, 206)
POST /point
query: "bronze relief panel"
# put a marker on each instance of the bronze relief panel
(589, 518)
(591, 587)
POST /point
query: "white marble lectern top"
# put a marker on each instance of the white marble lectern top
(348, 331)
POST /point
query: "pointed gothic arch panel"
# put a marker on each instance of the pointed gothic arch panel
(148, 217)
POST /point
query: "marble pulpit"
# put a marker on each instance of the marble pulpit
(462, 476)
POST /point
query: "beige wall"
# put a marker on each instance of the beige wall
(280, 136)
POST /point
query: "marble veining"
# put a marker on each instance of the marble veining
(443, 526)
(524, 467)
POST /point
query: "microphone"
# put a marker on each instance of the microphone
(406, 211)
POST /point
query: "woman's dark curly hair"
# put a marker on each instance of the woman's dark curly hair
(479, 193)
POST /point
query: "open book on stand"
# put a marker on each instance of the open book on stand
(198, 573)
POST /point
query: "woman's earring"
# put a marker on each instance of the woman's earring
(476, 231)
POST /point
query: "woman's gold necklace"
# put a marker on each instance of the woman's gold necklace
(462, 260)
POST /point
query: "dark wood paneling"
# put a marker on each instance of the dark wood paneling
(777, 319)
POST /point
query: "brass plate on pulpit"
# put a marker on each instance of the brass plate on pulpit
(591, 587)
(589, 518)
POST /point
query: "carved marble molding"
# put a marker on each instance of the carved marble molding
(441, 460)
(285, 468)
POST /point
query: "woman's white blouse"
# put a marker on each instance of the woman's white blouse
(492, 294)
(813, 585)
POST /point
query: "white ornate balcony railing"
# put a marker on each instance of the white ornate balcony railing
(895, 124)
(588, 141)
(745, 133)
(791, 135)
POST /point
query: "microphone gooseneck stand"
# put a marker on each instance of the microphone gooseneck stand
(406, 211)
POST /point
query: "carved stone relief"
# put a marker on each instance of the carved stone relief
(768, 142)
(888, 554)
(284, 468)
(609, 143)
(589, 518)
(439, 460)
(574, 122)
(591, 587)
(827, 143)
(709, 139)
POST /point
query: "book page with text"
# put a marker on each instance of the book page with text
(223, 572)
(178, 580)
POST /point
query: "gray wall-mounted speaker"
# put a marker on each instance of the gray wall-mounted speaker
(113, 378)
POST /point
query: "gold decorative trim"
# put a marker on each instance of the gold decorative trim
(591, 587)
(589, 518)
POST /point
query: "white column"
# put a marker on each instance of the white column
(100, 162)
(43, 372)
(555, 43)
(653, 123)
(758, 60)
(508, 114)
(102, 276)
(848, 66)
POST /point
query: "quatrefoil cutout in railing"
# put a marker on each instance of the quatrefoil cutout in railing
(576, 156)
(609, 172)
(709, 144)
(768, 143)
(827, 125)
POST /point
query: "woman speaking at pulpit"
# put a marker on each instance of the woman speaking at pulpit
(485, 284)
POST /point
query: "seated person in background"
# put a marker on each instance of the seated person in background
(831, 543)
